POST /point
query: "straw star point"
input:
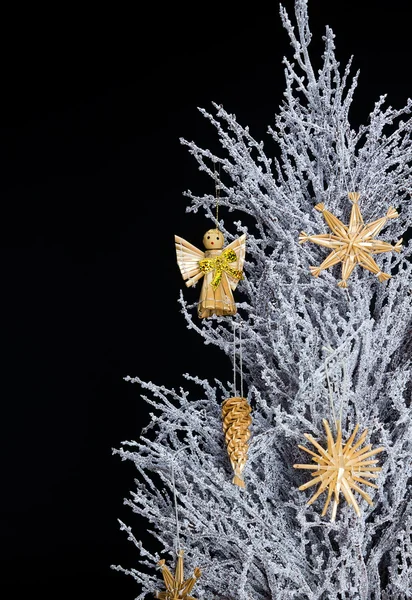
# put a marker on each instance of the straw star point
(340, 468)
(352, 244)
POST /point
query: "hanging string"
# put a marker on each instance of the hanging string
(241, 360)
(239, 325)
(330, 391)
(217, 193)
(175, 500)
(332, 405)
(234, 357)
(346, 184)
(345, 388)
(348, 166)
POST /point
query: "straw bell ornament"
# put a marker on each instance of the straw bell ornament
(221, 269)
(352, 244)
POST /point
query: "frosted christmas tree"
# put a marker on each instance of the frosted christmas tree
(324, 310)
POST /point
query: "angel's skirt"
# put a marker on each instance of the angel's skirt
(216, 302)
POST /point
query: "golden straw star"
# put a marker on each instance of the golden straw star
(339, 467)
(352, 244)
(176, 587)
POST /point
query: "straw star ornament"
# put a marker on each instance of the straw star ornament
(352, 244)
(177, 588)
(340, 467)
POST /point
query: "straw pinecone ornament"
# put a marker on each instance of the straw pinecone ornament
(236, 422)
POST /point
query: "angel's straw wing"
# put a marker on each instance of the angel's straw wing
(188, 257)
(239, 246)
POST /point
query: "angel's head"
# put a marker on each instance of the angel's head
(213, 239)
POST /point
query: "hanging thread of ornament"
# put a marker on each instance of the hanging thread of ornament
(239, 326)
(234, 357)
(175, 499)
(348, 166)
(237, 419)
(177, 587)
(345, 388)
(217, 194)
(330, 391)
(241, 360)
(347, 187)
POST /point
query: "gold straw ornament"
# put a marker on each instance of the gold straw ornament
(221, 269)
(177, 588)
(340, 467)
(352, 244)
(236, 422)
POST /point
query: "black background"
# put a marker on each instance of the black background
(92, 176)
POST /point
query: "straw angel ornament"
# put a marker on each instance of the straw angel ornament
(221, 269)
